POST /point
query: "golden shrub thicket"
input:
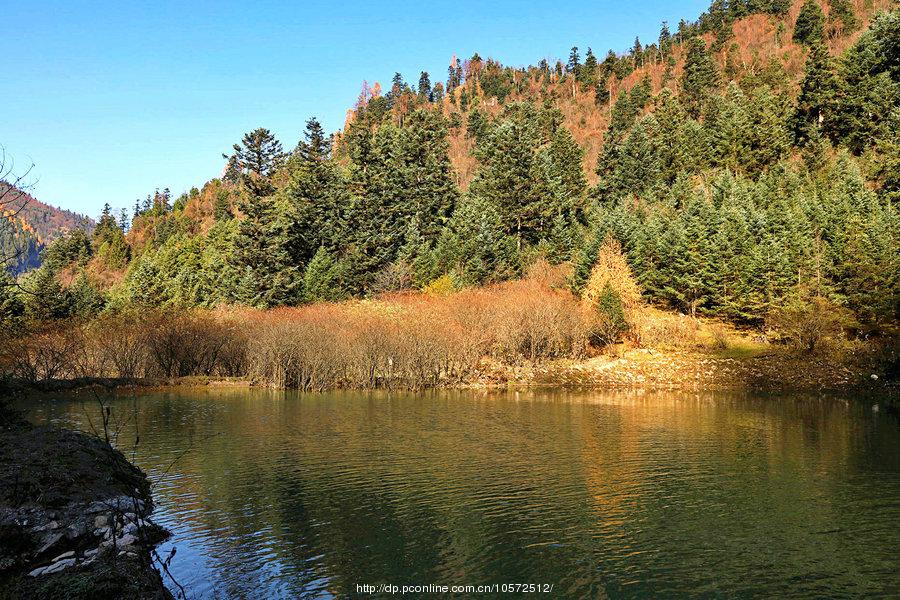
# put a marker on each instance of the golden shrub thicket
(403, 341)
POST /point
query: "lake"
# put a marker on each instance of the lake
(599, 494)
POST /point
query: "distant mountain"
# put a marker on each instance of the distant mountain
(29, 225)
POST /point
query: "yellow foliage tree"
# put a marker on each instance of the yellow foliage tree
(611, 269)
(611, 295)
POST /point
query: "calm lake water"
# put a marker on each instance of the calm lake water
(619, 495)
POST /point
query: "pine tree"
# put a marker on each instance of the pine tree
(268, 275)
(424, 87)
(728, 126)
(817, 101)
(566, 158)
(256, 158)
(574, 64)
(315, 145)
(637, 53)
(841, 17)
(11, 306)
(323, 279)
(46, 299)
(623, 116)
(682, 147)
(477, 126)
(665, 40)
(809, 28)
(700, 76)
(259, 152)
(511, 179)
(475, 246)
(589, 69)
(871, 91)
(86, 299)
(638, 166)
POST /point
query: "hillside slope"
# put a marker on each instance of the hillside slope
(30, 225)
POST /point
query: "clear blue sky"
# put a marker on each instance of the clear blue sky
(111, 100)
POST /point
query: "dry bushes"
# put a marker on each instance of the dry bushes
(358, 344)
(128, 345)
(654, 328)
(194, 343)
(51, 352)
(812, 323)
(526, 321)
(413, 341)
(404, 341)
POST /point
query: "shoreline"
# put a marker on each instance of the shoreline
(771, 371)
(74, 518)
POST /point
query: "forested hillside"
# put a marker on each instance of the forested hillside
(29, 225)
(746, 163)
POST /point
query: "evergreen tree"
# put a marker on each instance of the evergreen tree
(86, 299)
(589, 69)
(817, 101)
(841, 17)
(475, 246)
(424, 87)
(315, 145)
(700, 76)
(511, 179)
(256, 158)
(11, 306)
(665, 40)
(477, 126)
(574, 64)
(638, 168)
(45, 298)
(268, 275)
(809, 28)
(870, 72)
(623, 116)
(323, 279)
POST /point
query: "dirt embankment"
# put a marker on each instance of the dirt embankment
(74, 519)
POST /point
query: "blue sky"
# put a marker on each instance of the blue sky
(112, 100)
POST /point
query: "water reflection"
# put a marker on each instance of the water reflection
(619, 494)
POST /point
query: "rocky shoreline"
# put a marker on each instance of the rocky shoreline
(74, 519)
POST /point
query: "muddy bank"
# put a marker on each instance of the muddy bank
(74, 518)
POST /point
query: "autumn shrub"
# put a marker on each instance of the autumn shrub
(120, 343)
(188, 343)
(50, 351)
(396, 343)
(523, 321)
(719, 337)
(811, 323)
(406, 340)
(291, 348)
(655, 328)
(412, 341)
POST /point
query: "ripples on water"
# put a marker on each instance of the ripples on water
(601, 494)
